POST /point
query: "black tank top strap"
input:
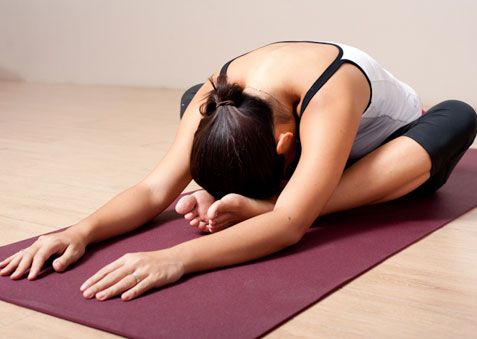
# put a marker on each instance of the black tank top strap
(223, 70)
(324, 77)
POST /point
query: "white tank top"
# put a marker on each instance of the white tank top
(393, 103)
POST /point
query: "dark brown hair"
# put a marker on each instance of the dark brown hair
(234, 146)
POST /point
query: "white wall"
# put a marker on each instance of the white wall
(429, 44)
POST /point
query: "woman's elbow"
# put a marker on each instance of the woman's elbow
(295, 233)
(294, 227)
(295, 223)
(294, 237)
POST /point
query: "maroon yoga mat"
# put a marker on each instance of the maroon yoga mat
(250, 299)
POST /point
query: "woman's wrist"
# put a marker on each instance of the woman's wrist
(83, 231)
(179, 255)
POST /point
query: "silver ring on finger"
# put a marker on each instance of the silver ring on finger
(136, 277)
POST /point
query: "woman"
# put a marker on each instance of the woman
(281, 135)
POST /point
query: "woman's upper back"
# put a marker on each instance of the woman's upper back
(295, 72)
(284, 70)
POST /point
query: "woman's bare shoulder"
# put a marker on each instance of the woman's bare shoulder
(285, 70)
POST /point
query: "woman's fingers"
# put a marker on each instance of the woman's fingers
(39, 255)
(6, 261)
(60, 264)
(38, 261)
(151, 269)
(24, 263)
(71, 255)
(100, 274)
(138, 289)
(108, 280)
(125, 282)
(12, 265)
(34, 257)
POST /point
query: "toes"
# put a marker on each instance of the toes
(203, 226)
(229, 203)
(195, 222)
(191, 215)
(215, 209)
(221, 222)
(218, 220)
(186, 204)
(204, 200)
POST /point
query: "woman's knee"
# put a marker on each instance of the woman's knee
(459, 129)
(464, 115)
(460, 120)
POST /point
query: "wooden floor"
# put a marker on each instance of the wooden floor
(66, 150)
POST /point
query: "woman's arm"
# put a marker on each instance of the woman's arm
(327, 130)
(126, 211)
(143, 201)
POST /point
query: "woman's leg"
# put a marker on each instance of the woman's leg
(417, 160)
(187, 98)
(381, 175)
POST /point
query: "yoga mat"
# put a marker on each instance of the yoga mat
(250, 299)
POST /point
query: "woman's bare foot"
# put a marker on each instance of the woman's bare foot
(194, 206)
(207, 214)
(234, 208)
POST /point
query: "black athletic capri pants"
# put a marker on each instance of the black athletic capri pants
(445, 131)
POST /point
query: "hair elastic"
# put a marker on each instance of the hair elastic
(225, 102)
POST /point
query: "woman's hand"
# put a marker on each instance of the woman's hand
(68, 243)
(133, 274)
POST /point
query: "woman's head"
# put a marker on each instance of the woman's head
(234, 147)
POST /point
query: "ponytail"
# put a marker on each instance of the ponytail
(234, 147)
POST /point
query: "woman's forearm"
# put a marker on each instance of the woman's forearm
(253, 238)
(126, 211)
